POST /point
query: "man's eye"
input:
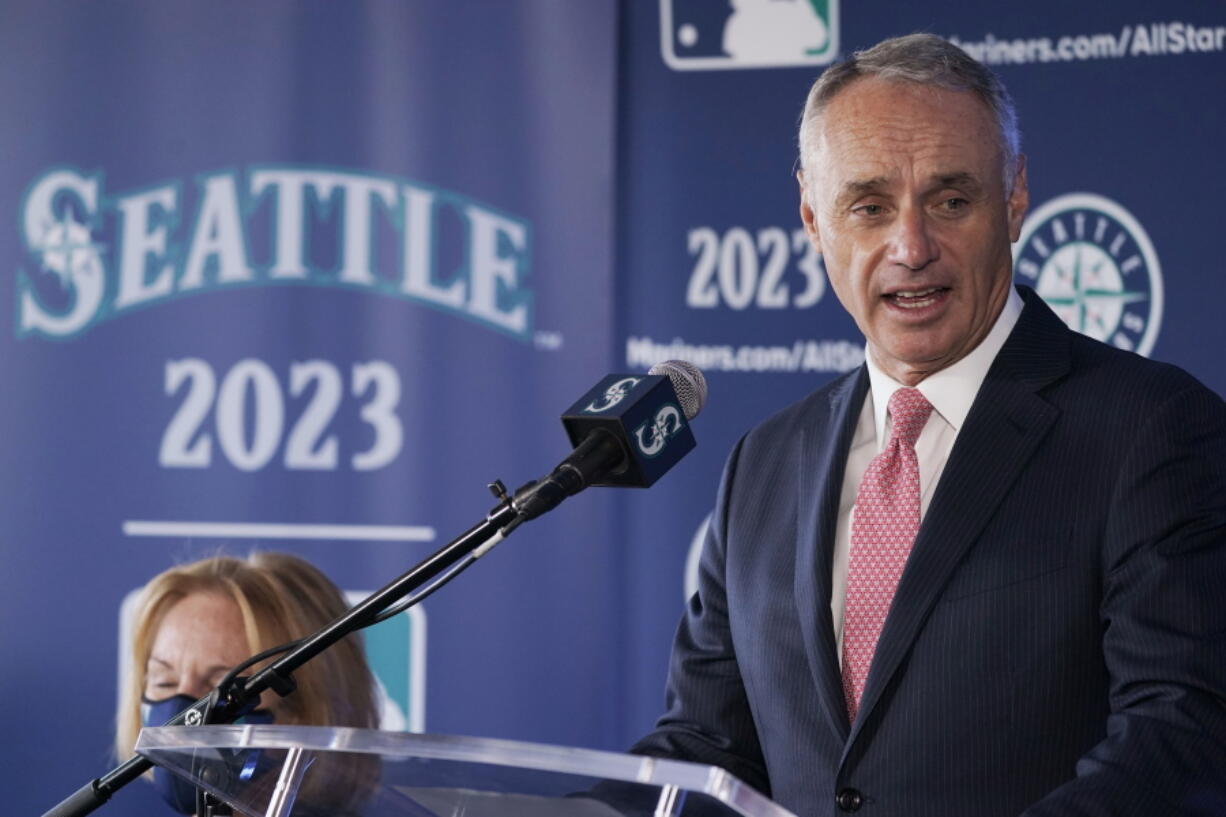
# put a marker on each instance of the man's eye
(954, 204)
(868, 210)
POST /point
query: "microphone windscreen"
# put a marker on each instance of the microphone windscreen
(688, 383)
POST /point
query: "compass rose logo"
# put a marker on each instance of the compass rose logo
(1095, 266)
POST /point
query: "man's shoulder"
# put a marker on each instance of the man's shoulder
(1127, 375)
(1044, 351)
(815, 410)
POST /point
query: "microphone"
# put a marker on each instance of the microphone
(627, 430)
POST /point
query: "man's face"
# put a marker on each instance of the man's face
(904, 196)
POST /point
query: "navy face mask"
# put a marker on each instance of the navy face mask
(179, 793)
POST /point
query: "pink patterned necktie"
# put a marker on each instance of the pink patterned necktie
(886, 521)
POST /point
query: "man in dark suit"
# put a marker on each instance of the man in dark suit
(985, 575)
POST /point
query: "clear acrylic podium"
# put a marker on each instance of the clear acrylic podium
(307, 771)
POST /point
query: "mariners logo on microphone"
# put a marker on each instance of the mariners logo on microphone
(613, 395)
(653, 435)
(1094, 265)
(698, 35)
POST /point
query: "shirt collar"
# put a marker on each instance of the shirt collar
(952, 389)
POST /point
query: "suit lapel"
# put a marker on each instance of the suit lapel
(1005, 425)
(823, 457)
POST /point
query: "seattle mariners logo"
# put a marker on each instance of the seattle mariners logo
(1094, 265)
(653, 435)
(613, 395)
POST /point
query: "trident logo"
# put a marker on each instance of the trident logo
(653, 435)
(613, 395)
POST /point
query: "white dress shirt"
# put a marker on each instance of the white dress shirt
(951, 392)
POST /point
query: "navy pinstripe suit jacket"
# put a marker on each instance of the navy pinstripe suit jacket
(1057, 643)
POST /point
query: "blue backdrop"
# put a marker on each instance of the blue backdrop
(308, 275)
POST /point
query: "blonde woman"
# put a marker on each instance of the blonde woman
(198, 620)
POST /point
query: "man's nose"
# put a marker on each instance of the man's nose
(911, 242)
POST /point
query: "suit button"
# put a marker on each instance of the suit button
(849, 799)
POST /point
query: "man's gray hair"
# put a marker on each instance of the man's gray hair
(924, 59)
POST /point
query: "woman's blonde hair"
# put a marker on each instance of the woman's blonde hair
(281, 598)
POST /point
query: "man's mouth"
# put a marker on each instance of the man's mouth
(916, 298)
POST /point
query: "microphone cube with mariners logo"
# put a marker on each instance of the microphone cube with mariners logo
(642, 411)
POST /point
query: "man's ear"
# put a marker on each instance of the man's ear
(807, 216)
(1019, 201)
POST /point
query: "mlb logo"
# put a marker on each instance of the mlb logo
(698, 35)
